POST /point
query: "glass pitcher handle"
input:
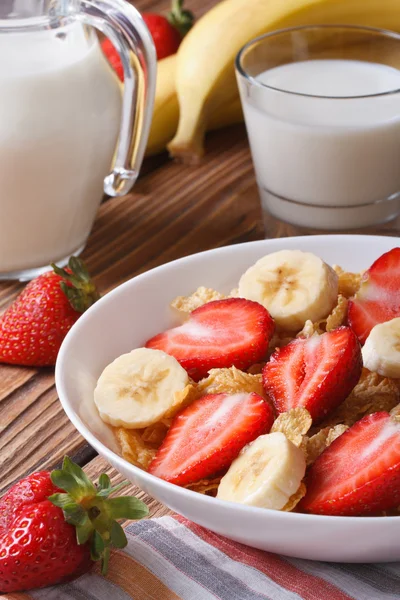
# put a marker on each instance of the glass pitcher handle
(123, 24)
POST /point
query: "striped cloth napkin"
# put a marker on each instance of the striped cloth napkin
(171, 558)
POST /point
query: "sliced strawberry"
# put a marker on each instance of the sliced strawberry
(360, 471)
(317, 373)
(378, 299)
(223, 333)
(208, 435)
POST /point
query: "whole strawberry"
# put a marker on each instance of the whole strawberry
(34, 326)
(48, 536)
(167, 32)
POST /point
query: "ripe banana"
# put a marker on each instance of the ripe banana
(139, 388)
(293, 286)
(205, 71)
(266, 473)
(381, 351)
(166, 109)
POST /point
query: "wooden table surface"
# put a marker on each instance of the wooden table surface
(174, 210)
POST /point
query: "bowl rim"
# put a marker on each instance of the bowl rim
(202, 499)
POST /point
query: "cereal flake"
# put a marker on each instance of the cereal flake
(295, 498)
(339, 314)
(317, 443)
(202, 295)
(279, 340)
(308, 330)
(294, 424)
(205, 486)
(154, 435)
(373, 393)
(133, 447)
(182, 398)
(230, 381)
(256, 369)
(349, 283)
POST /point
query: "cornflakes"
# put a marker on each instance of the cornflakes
(256, 369)
(279, 340)
(339, 314)
(308, 330)
(373, 393)
(202, 295)
(295, 498)
(294, 424)
(133, 447)
(182, 399)
(395, 413)
(317, 443)
(349, 283)
(205, 486)
(230, 381)
(154, 434)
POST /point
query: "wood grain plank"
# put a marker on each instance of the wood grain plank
(39, 434)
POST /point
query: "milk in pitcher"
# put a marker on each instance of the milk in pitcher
(60, 106)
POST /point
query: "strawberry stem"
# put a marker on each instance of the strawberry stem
(93, 514)
(77, 284)
(180, 18)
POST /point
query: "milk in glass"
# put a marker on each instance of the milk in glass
(339, 150)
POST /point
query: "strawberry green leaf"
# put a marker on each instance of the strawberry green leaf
(180, 18)
(93, 514)
(86, 486)
(106, 558)
(77, 284)
(118, 537)
(97, 546)
(75, 515)
(65, 481)
(84, 531)
(62, 500)
(104, 482)
(106, 492)
(126, 507)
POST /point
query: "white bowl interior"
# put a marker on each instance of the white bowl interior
(126, 317)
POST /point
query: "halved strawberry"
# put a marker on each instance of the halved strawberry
(359, 473)
(208, 435)
(223, 333)
(317, 373)
(378, 299)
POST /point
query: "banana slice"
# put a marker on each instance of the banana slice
(293, 286)
(381, 351)
(266, 473)
(140, 388)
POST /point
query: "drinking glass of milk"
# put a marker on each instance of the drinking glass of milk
(68, 128)
(322, 111)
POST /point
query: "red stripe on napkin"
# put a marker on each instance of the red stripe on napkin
(287, 576)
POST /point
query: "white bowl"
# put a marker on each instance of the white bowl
(129, 315)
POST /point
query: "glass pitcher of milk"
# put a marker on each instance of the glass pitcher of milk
(65, 123)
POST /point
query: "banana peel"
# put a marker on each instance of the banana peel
(205, 74)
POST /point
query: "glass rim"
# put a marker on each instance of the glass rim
(243, 73)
